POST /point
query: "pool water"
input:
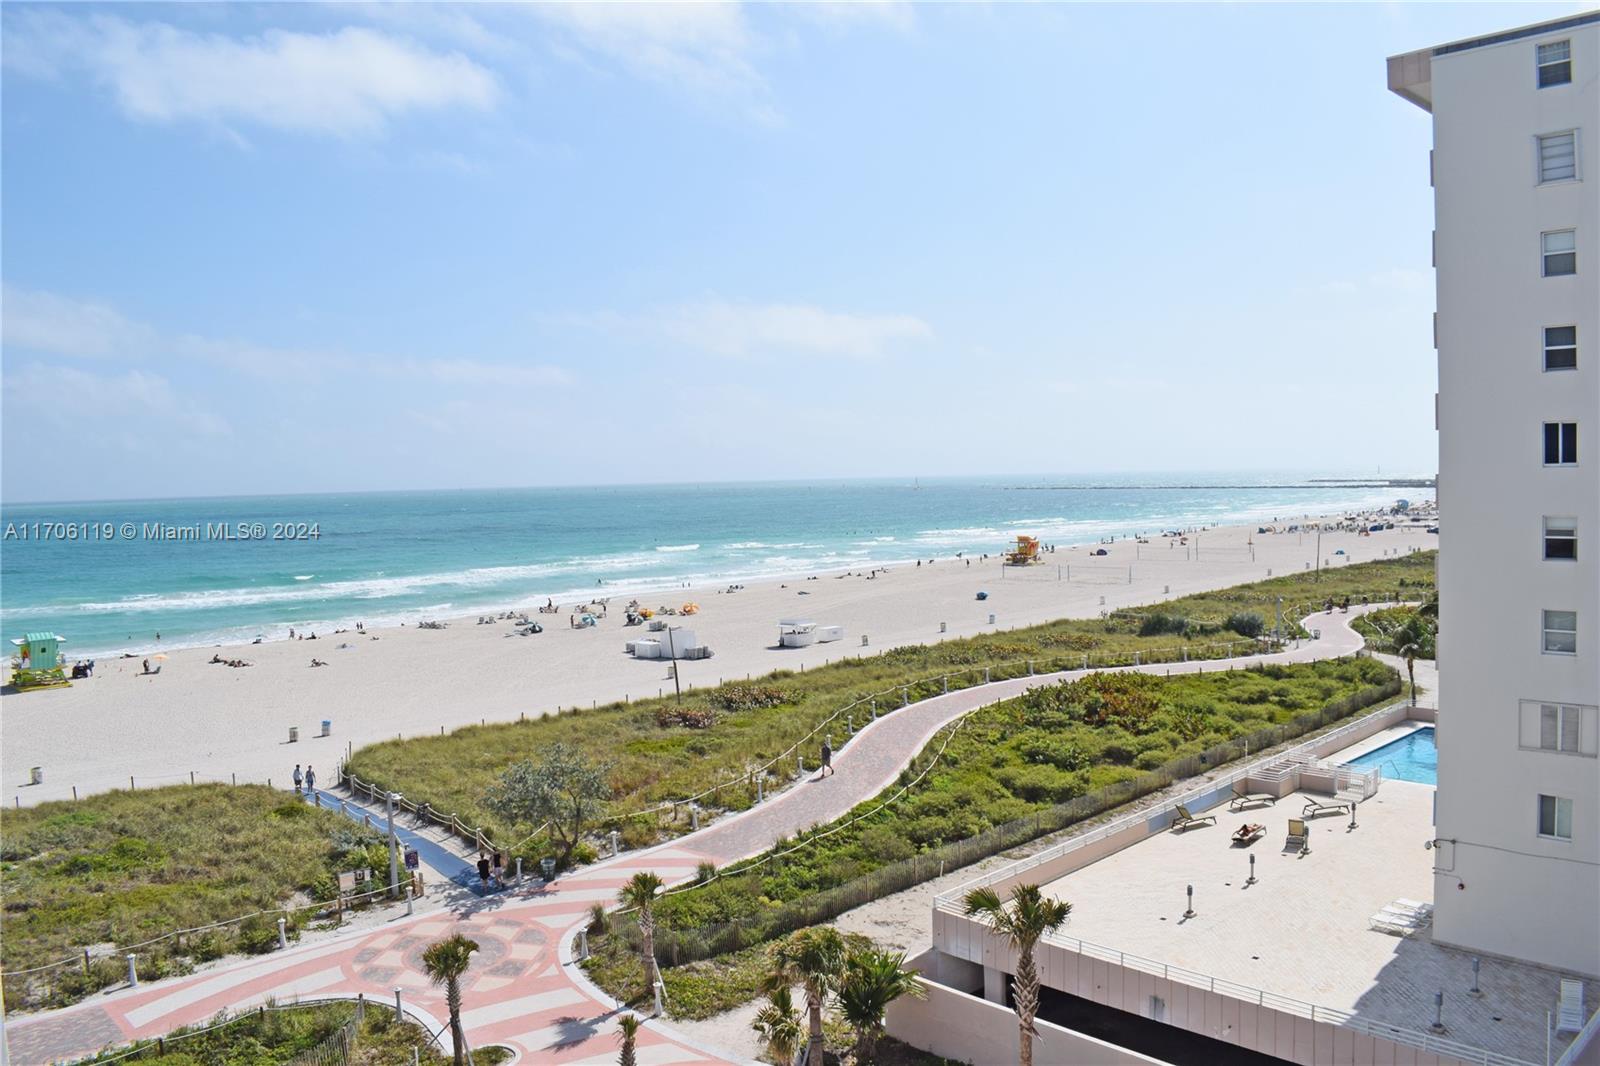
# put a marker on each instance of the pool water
(1414, 757)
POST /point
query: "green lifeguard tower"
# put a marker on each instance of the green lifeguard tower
(37, 663)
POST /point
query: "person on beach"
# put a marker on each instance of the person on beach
(311, 781)
(483, 870)
(147, 666)
(298, 778)
(499, 867)
(827, 759)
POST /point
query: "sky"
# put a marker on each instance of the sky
(303, 248)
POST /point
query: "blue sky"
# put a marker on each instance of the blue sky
(313, 248)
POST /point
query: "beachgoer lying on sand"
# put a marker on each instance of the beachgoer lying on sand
(318, 662)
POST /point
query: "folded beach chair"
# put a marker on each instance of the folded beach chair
(1182, 819)
(1242, 799)
(1298, 836)
(1569, 1011)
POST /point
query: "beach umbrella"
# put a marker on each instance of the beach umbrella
(159, 655)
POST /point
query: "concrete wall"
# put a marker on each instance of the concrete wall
(968, 1029)
(1504, 889)
(1245, 1023)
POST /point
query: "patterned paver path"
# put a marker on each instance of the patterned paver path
(524, 989)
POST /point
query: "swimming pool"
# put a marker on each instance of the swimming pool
(1413, 757)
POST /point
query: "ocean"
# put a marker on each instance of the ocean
(110, 576)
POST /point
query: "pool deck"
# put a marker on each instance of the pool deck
(1302, 930)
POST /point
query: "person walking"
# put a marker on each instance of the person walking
(298, 778)
(499, 868)
(827, 758)
(483, 870)
(311, 781)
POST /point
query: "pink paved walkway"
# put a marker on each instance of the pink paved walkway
(523, 990)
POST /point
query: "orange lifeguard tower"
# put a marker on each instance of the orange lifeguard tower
(1026, 552)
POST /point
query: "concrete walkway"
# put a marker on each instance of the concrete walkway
(524, 990)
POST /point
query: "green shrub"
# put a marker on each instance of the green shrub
(1156, 623)
(1246, 624)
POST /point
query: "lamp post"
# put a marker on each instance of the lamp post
(1189, 912)
(390, 799)
(672, 652)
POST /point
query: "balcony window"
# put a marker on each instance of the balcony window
(1558, 157)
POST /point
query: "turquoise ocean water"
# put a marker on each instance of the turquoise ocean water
(389, 557)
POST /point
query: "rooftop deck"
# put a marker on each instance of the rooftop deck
(1302, 930)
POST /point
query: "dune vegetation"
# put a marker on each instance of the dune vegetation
(124, 867)
(1121, 734)
(662, 750)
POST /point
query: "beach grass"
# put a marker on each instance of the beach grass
(661, 750)
(119, 868)
(1003, 763)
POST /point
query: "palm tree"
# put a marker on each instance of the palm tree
(1028, 916)
(445, 962)
(640, 894)
(1409, 654)
(873, 979)
(779, 1024)
(814, 959)
(628, 1032)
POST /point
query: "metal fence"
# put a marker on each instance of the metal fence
(69, 979)
(333, 1050)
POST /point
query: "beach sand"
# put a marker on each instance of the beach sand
(222, 723)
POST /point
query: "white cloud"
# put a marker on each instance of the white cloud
(345, 83)
(133, 402)
(48, 323)
(474, 372)
(738, 330)
(704, 47)
(45, 322)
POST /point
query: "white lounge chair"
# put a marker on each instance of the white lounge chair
(1570, 1014)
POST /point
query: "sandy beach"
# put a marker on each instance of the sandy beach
(223, 723)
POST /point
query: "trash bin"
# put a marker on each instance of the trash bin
(547, 868)
(36, 775)
(327, 726)
(294, 734)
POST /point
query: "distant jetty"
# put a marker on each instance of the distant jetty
(1312, 483)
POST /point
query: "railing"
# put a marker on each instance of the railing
(425, 812)
(1586, 1036)
(125, 955)
(333, 1050)
(1287, 1004)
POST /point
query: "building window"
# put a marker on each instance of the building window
(1561, 347)
(1555, 63)
(1560, 538)
(1560, 443)
(1555, 817)
(1560, 252)
(1561, 632)
(1558, 727)
(1558, 156)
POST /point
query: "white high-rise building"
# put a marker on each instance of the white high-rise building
(1516, 177)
